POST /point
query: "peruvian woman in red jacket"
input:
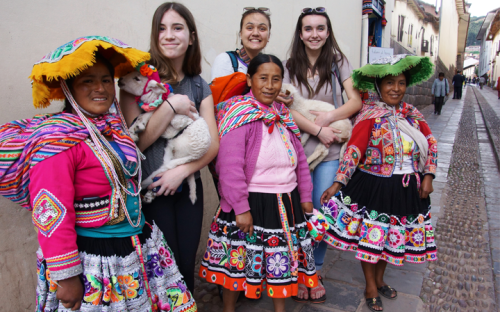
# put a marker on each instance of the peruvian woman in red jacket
(379, 204)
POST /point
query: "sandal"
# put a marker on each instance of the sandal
(302, 300)
(370, 302)
(322, 298)
(387, 291)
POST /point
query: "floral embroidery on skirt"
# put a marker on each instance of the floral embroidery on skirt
(116, 283)
(261, 262)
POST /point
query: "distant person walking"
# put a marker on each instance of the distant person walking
(498, 87)
(440, 89)
(481, 82)
(458, 80)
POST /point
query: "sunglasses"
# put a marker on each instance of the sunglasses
(262, 9)
(316, 10)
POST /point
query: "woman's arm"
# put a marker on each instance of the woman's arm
(171, 179)
(326, 135)
(161, 118)
(351, 107)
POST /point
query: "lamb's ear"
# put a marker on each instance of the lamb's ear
(156, 87)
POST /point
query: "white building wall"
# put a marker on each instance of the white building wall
(448, 34)
(495, 58)
(413, 28)
(30, 29)
(484, 57)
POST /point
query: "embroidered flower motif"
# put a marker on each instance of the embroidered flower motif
(273, 241)
(165, 257)
(407, 236)
(347, 200)
(375, 235)
(347, 157)
(373, 214)
(214, 227)
(353, 226)
(302, 257)
(395, 238)
(302, 232)
(354, 155)
(386, 169)
(403, 220)
(153, 266)
(331, 208)
(377, 120)
(375, 133)
(389, 150)
(383, 218)
(277, 264)
(420, 219)
(375, 168)
(252, 238)
(417, 237)
(389, 159)
(257, 264)
(354, 207)
(342, 220)
(241, 234)
(363, 230)
(238, 258)
(394, 221)
(128, 285)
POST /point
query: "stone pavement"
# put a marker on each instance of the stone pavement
(461, 280)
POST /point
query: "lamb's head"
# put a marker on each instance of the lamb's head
(146, 83)
(288, 89)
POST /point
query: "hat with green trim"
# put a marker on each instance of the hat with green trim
(420, 68)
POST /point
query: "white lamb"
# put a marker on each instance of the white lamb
(303, 106)
(188, 140)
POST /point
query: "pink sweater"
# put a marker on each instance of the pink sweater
(274, 172)
(236, 162)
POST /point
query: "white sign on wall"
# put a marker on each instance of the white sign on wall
(378, 53)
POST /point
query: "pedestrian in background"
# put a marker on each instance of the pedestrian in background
(440, 89)
(457, 81)
(481, 82)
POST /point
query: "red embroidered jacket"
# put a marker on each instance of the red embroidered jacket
(371, 148)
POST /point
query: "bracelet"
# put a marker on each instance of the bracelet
(319, 131)
(171, 106)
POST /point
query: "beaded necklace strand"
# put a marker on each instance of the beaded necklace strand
(98, 139)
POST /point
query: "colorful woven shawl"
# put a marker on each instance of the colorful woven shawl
(25, 143)
(371, 110)
(240, 110)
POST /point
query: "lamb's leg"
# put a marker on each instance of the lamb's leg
(318, 160)
(149, 197)
(318, 151)
(305, 136)
(342, 150)
(192, 188)
(139, 125)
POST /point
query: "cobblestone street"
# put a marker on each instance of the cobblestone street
(466, 217)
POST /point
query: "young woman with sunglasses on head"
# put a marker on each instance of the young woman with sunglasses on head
(175, 52)
(255, 30)
(313, 54)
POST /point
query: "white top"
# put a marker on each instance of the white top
(408, 147)
(223, 66)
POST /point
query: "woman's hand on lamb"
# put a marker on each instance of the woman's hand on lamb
(170, 180)
(244, 222)
(328, 136)
(70, 293)
(307, 207)
(285, 99)
(332, 190)
(181, 104)
(426, 186)
(323, 119)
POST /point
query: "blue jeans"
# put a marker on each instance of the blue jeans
(322, 178)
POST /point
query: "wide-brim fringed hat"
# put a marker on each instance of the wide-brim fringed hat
(72, 58)
(420, 69)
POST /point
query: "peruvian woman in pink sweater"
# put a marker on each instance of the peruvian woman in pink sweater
(258, 241)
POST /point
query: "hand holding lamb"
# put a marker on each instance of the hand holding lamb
(304, 106)
(188, 140)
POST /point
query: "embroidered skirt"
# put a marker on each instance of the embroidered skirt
(379, 218)
(262, 262)
(113, 276)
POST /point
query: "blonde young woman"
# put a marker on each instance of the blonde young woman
(175, 52)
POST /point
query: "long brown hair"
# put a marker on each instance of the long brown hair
(192, 60)
(298, 64)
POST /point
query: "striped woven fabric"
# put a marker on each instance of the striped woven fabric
(371, 110)
(240, 110)
(24, 143)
